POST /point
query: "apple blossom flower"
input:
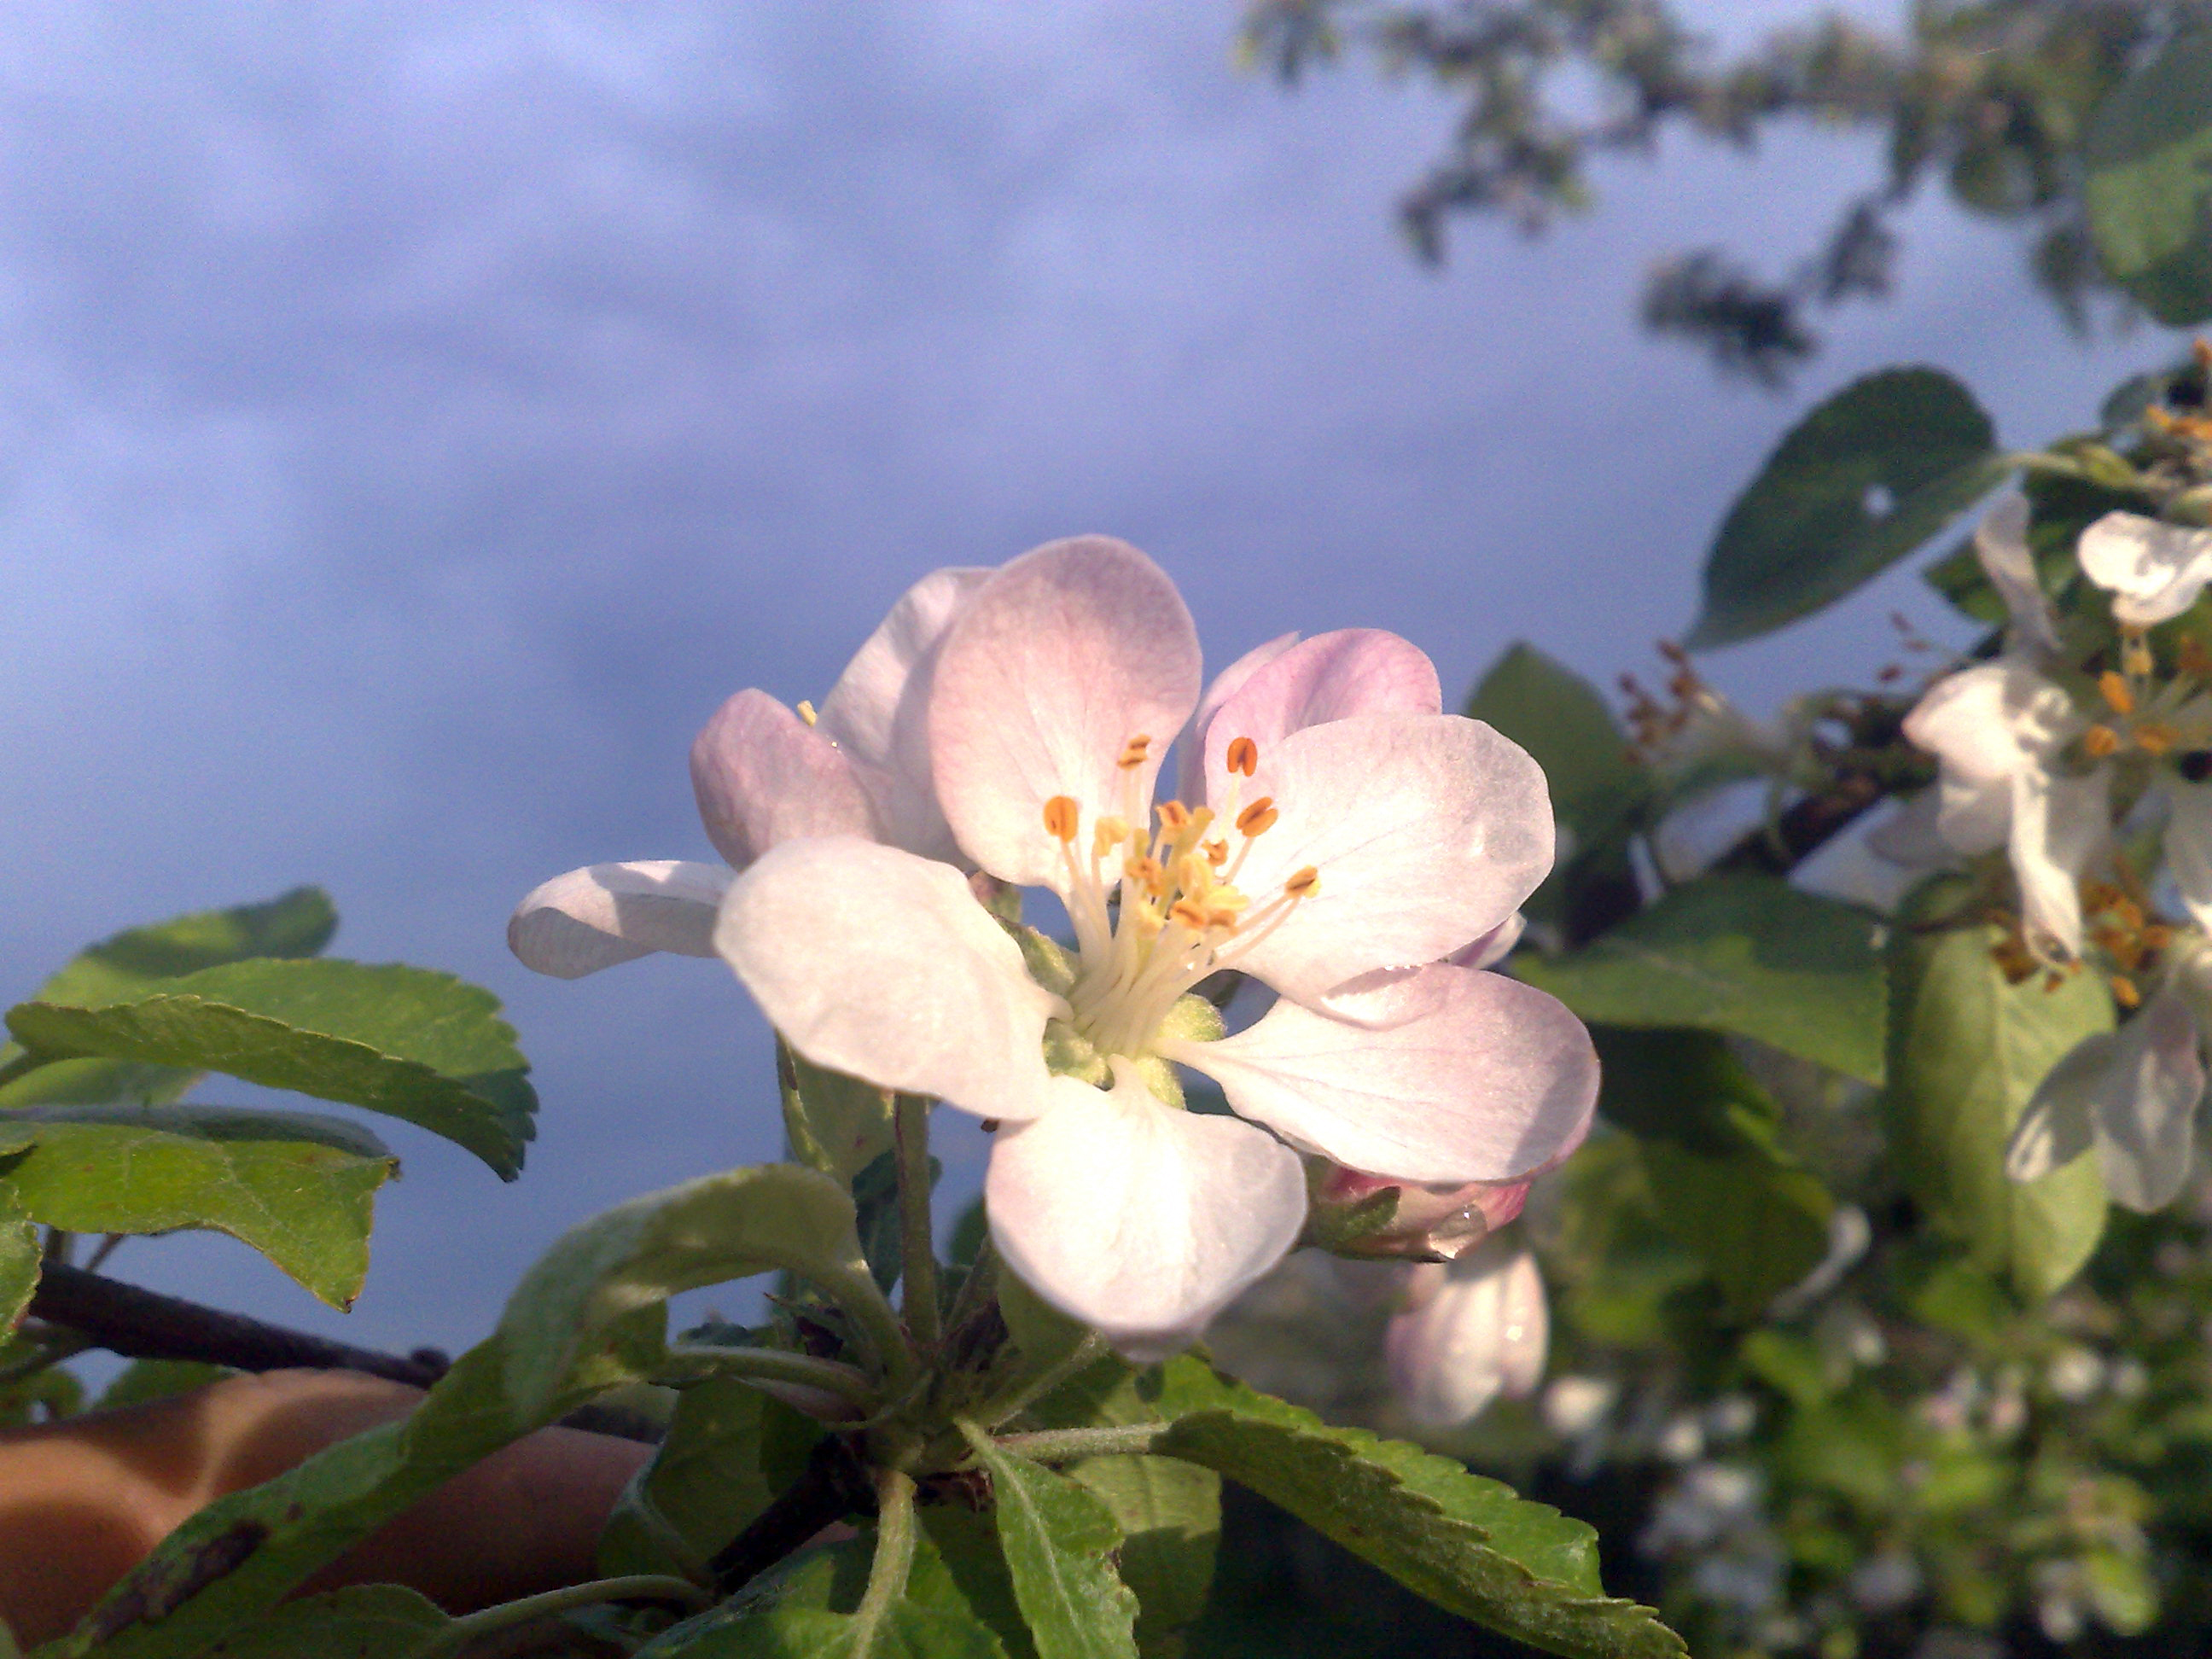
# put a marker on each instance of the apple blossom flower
(2131, 1093)
(1469, 1333)
(1350, 837)
(2155, 571)
(764, 774)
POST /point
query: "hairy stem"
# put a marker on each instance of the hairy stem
(1018, 1399)
(893, 1556)
(917, 1264)
(640, 1587)
(1066, 1446)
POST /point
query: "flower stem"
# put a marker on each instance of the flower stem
(640, 1587)
(1066, 1446)
(894, 1558)
(910, 1126)
(1013, 1402)
(775, 1365)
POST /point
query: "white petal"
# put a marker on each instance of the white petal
(1190, 773)
(2147, 1111)
(1494, 946)
(1484, 1333)
(763, 775)
(2189, 846)
(1428, 832)
(1985, 725)
(880, 964)
(2058, 824)
(2155, 571)
(1465, 1076)
(1138, 1219)
(1059, 660)
(1909, 836)
(878, 712)
(1330, 676)
(2001, 544)
(594, 918)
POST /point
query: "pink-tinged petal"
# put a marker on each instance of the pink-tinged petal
(1190, 773)
(1428, 832)
(1059, 660)
(2001, 544)
(878, 712)
(1481, 1334)
(1140, 1220)
(1330, 676)
(2155, 571)
(2146, 1113)
(763, 775)
(2189, 846)
(1494, 946)
(1480, 1077)
(881, 966)
(2059, 1122)
(2059, 824)
(594, 918)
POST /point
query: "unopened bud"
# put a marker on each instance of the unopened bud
(1353, 1214)
(1479, 1328)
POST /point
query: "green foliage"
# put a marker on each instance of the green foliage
(1745, 954)
(371, 1621)
(1558, 717)
(2148, 184)
(299, 923)
(1866, 478)
(1060, 1539)
(1709, 1138)
(144, 1381)
(715, 1471)
(836, 1124)
(418, 1045)
(1468, 1544)
(297, 1188)
(19, 1258)
(1967, 1049)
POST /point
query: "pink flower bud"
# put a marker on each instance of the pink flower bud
(1431, 1223)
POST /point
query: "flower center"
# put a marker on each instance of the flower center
(1155, 913)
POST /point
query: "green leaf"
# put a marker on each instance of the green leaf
(1870, 475)
(1560, 719)
(1169, 1511)
(370, 1621)
(2148, 186)
(1725, 1187)
(299, 923)
(836, 1124)
(1749, 955)
(704, 1485)
(418, 1045)
(305, 1203)
(1468, 1544)
(768, 1218)
(144, 1381)
(803, 1609)
(19, 1258)
(1060, 1540)
(1966, 1052)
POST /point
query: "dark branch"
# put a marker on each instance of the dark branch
(832, 1487)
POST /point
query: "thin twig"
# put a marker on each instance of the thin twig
(638, 1586)
(831, 1487)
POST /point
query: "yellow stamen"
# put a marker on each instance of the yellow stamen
(2124, 991)
(2135, 655)
(2099, 741)
(1243, 756)
(1107, 834)
(2117, 697)
(1060, 819)
(1175, 817)
(806, 711)
(1189, 912)
(1133, 752)
(1304, 884)
(1259, 817)
(2156, 739)
(1216, 852)
(1147, 873)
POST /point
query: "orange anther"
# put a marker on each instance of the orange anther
(1175, 817)
(2156, 739)
(2099, 741)
(2124, 991)
(1258, 817)
(1133, 752)
(2117, 697)
(1243, 756)
(1060, 818)
(1304, 884)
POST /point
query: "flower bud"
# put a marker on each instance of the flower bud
(1351, 1215)
(1471, 1331)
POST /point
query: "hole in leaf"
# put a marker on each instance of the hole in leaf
(1878, 501)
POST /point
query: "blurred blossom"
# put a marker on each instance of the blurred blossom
(1682, 1440)
(2074, 1374)
(1469, 1333)
(1574, 1406)
(1881, 1584)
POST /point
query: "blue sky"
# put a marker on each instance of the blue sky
(420, 416)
